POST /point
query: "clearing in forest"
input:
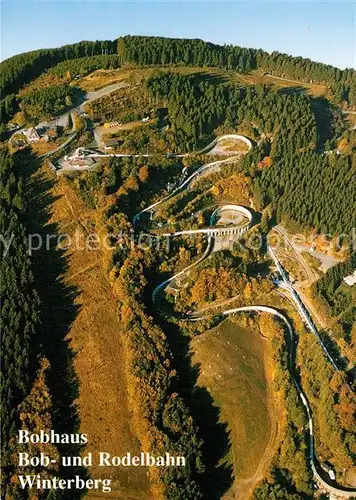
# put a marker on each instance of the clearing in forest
(234, 368)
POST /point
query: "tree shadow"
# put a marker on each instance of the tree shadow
(212, 78)
(295, 89)
(58, 311)
(326, 122)
(218, 475)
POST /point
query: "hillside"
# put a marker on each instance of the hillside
(193, 206)
(154, 51)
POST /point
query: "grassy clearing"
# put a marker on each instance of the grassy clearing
(313, 89)
(95, 337)
(45, 80)
(234, 145)
(232, 363)
(101, 78)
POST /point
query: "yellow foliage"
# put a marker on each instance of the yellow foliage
(235, 188)
(343, 143)
(131, 184)
(265, 163)
(143, 173)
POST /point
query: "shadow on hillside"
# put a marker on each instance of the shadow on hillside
(218, 476)
(58, 311)
(295, 89)
(326, 122)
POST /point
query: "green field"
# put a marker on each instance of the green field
(232, 367)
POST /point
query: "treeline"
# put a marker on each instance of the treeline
(162, 418)
(21, 69)
(289, 477)
(156, 51)
(338, 296)
(196, 108)
(20, 311)
(314, 191)
(29, 398)
(333, 404)
(48, 101)
(84, 65)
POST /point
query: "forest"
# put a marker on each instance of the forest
(304, 188)
(339, 297)
(196, 109)
(33, 394)
(20, 314)
(49, 101)
(156, 51)
(289, 176)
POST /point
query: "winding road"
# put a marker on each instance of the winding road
(333, 489)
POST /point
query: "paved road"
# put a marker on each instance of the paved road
(63, 120)
(109, 89)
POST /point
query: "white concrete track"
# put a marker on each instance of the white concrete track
(89, 153)
(212, 231)
(334, 491)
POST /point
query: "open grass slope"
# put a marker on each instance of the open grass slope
(95, 337)
(233, 364)
(101, 78)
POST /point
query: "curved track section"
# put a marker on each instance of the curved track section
(216, 141)
(90, 153)
(211, 232)
(270, 310)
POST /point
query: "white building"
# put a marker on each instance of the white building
(32, 135)
(351, 279)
